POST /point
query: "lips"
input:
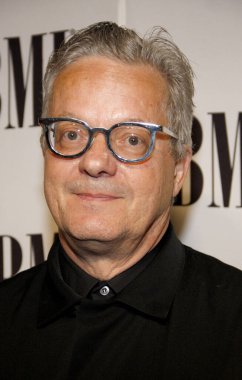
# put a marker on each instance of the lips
(97, 196)
(96, 191)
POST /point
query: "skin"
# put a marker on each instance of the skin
(109, 213)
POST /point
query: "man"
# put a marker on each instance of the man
(119, 296)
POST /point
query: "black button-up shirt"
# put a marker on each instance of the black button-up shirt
(179, 317)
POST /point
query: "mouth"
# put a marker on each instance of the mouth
(97, 197)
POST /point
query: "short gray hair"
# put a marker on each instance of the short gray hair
(156, 49)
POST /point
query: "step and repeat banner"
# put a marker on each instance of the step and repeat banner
(208, 212)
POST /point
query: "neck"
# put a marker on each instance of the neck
(105, 260)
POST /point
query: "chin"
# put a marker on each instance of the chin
(93, 231)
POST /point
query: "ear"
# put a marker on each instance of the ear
(181, 169)
(42, 143)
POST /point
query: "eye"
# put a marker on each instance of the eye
(71, 135)
(133, 140)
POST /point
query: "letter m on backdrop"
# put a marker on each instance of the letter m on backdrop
(15, 63)
(226, 160)
(16, 81)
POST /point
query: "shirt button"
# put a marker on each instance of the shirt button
(104, 290)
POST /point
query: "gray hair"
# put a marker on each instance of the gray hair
(156, 49)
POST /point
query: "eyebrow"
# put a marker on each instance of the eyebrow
(133, 119)
(67, 114)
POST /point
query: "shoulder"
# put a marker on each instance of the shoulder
(212, 274)
(211, 265)
(24, 276)
(26, 282)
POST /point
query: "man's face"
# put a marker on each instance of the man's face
(95, 197)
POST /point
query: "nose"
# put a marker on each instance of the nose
(98, 160)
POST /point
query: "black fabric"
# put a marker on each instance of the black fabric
(179, 318)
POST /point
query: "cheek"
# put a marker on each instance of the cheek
(53, 180)
(145, 186)
(153, 185)
(57, 171)
(50, 190)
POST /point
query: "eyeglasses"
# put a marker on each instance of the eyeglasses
(128, 141)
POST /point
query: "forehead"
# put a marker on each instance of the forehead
(108, 83)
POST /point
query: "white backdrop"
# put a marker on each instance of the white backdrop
(209, 33)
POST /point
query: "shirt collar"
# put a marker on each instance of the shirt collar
(151, 292)
(84, 284)
(154, 290)
(76, 278)
(56, 296)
